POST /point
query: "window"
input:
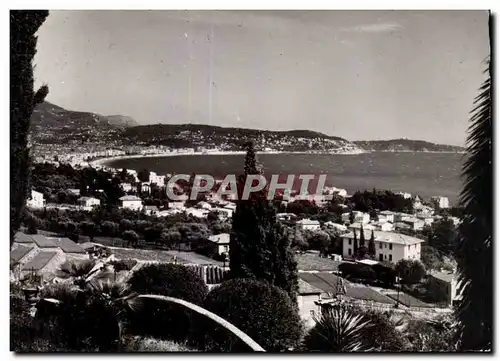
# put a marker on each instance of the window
(380, 257)
(385, 256)
(350, 242)
(385, 245)
(390, 257)
(380, 246)
(349, 251)
(409, 247)
(390, 245)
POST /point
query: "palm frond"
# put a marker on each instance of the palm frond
(219, 320)
(474, 253)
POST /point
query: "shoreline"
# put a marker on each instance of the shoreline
(101, 161)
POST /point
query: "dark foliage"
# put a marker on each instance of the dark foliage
(23, 100)
(381, 200)
(475, 250)
(264, 312)
(157, 319)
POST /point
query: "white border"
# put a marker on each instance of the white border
(190, 4)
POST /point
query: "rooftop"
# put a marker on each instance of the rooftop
(23, 238)
(42, 241)
(308, 289)
(39, 261)
(222, 238)
(67, 245)
(18, 253)
(311, 262)
(444, 276)
(130, 198)
(389, 237)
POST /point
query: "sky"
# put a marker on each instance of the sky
(360, 75)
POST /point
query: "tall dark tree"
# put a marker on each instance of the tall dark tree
(362, 237)
(475, 253)
(371, 245)
(355, 242)
(259, 248)
(23, 100)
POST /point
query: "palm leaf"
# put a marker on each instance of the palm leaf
(219, 320)
(474, 253)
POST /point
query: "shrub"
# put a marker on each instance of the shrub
(138, 344)
(156, 319)
(264, 312)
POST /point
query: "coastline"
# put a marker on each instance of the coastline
(101, 161)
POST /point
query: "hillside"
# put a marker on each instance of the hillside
(207, 136)
(405, 145)
(53, 124)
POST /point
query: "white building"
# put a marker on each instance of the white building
(197, 212)
(131, 202)
(360, 217)
(151, 210)
(126, 187)
(36, 201)
(89, 202)
(336, 226)
(176, 205)
(220, 242)
(386, 216)
(159, 180)
(383, 226)
(404, 195)
(440, 202)
(445, 287)
(415, 223)
(391, 247)
(307, 297)
(357, 226)
(308, 224)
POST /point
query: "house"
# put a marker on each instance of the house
(176, 205)
(358, 225)
(307, 297)
(444, 287)
(440, 202)
(361, 217)
(145, 187)
(386, 216)
(88, 202)
(404, 195)
(383, 226)
(131, 202)
(389, 246)
(400, 226)
(414, 223)
(75, 192)
(401, 217)
(346, 217)
(427, 220)
(44, 264)
(69, 248)
(308, 224)
(224, 213)
(417, 203)
(220, 243)
(154, 178)
(36, 201)
(197, 212)
(204, 205)
(286, 216)
(169, 212)
(126, 187)
(150, 210)
(336, 226)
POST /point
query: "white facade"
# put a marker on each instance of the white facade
(336, 226)
(357, 226)
(126, 187)
(389, 246)
(221, 242)
(441, 202)
(159, 180)
(415, 224)
(36, 201)
(384, 226)
(404, 195)
(361, 217)
(308, 224)
(131, 202)
(89, 202)
(386, 216)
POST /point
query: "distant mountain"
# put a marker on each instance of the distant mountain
(49, 115)
(405, 145)
(210, 137)
(121, 121)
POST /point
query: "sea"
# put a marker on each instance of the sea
(418, 173)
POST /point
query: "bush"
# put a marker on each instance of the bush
(157, 319)
(264, 312)
(138, 344)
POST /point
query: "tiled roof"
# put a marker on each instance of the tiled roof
(18, 253)
(307, 289)
(42, 241)
(39, 261)
(22, 238)
(389, 237)
(67, 245)
(222, 238)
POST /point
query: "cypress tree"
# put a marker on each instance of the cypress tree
(362, 237)
(371, 245)
(259, 247)
(355, 242)
(23, 100)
